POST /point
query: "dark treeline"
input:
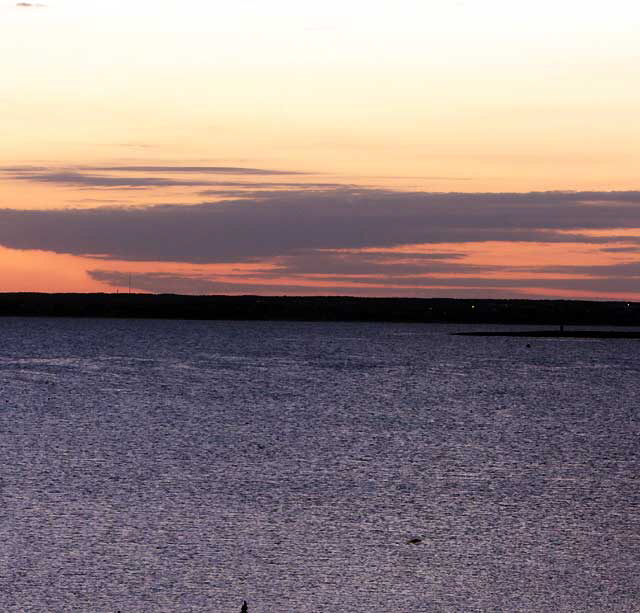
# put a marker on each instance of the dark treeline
(330, 308)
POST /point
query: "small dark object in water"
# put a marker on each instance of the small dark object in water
(528, 346)
(244, 609)
(414, 541)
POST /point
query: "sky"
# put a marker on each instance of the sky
(450, 148)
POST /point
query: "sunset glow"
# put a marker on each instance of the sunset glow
(477, 148)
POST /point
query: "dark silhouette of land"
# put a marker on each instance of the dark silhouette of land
(557, 334)
(328, 308)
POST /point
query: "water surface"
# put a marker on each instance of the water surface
(186, 466)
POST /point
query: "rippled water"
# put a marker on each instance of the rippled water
(186, 466)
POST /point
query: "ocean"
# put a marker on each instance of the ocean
(156, 465)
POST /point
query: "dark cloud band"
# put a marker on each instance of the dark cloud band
(278, 224)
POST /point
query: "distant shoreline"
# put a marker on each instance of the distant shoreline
(325, 308)
(557, 334)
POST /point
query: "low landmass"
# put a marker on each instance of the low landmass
(329, 308)
(556, 333)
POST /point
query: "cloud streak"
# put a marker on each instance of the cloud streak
(379, 265)
(78, 179)
(192, 284)
(217, 170)
(93, 180)
(23, 172)
(101, 177)
(161, 282)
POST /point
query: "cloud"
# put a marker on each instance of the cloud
(461, 287)
(217, 170)
(380, 265)
(156, 282)
(82, 178)
(78, 179)
(271, 184)
(287, 223)
(22, 169)
(598, 284)
(627, 249)
(619, 270)
(130, 145)
(29, 5)
(344, 237)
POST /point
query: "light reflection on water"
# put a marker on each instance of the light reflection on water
(186, 466)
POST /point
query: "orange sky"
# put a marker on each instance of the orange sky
(343, 98)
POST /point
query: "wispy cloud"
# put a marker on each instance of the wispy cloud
(619, 270)
(217, 170)
(333, 264)
(461, 287)
(95, 177)
(272, 184)
(79, 179)
(626, 249)
(156, 282)
(19, 170)
(425, 286)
